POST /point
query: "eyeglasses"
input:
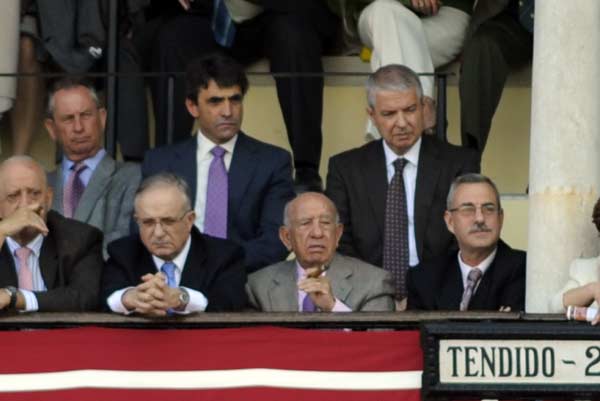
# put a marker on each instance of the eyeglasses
(166, 223)
(468, 210)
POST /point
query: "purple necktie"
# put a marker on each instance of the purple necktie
(215, 215)
(73, 189)
(472, 279)
(308, 305)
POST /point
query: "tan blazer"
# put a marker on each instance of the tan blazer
(360, 286)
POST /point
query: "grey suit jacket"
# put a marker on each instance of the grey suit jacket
(107, 202)
(360, 286)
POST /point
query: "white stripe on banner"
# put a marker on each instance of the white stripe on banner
(211, 379)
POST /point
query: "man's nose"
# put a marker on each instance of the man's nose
(401, 120)
(77, 125)
(226, 109)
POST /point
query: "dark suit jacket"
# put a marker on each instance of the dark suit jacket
(213, 267)
(357, 184)
(438, 285)
(70, 262)
(260, 184)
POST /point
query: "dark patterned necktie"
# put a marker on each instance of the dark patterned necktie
(395, 235)
(472, 280)
(73, 189)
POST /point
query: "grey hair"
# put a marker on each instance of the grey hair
(70, 82)
(471, 178)
(166, 179)
(288, 205)
(392, 77)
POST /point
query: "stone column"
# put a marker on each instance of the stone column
(564, 172)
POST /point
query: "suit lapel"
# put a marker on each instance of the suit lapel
(49, 260)
(195, 273)
(95, 188)
(428, 173)
(283, 292)
(339, 275)
(241, 172)
(374, 175)
(56, 182)
(184, 164)
(8, 272)
(452, 287)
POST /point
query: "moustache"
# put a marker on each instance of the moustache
(479, 228)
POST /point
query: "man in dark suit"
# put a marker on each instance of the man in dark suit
(485, 274)
(318, 279)
(362, 181)
(239, 185)
(170, 267)
(76, 121)
(499, 39)
(47, 262)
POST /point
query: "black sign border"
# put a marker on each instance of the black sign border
(433, 332)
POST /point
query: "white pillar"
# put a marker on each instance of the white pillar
(564, 172)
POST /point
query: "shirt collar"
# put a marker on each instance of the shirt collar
(90, 162)
(205, 145)
(179, 260)
(412, 155)
(483, 266)
(35, 245)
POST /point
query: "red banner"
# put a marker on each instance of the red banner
(234, 364)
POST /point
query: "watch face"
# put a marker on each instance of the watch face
(184, 297)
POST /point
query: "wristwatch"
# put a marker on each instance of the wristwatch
(12, 291)
(184, 298)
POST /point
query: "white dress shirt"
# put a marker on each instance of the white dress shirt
(31, 303)
(483, 266)
(410, 183)
(203, 160)
(198, 301)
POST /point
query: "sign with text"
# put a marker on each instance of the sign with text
(511, 360)
(519, 361)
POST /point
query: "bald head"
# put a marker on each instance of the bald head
(292, 206)
(20, 163)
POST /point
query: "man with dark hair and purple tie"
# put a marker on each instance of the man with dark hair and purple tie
(48, 263)
(170, 267)
(318, 279)
(238, 184)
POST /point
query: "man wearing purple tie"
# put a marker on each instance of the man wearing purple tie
(239, 185)
(318, 279)
(170, 267)
(48, 263)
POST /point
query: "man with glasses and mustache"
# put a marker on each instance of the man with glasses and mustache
(485, 273)
(171, 268)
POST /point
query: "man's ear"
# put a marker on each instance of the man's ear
(49, 124)
(192, 107)
(284, 236)
(449, 222)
